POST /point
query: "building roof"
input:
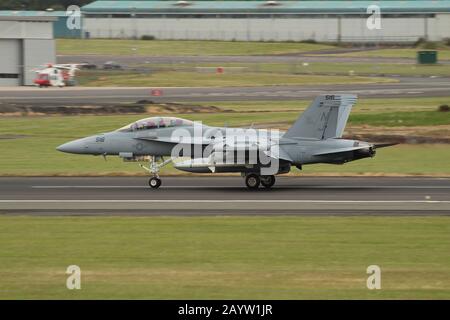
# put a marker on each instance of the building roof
(414, 6)
(25, 13)
(25, 18)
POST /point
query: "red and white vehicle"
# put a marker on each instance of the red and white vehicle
(56, 75)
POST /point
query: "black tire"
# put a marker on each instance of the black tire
(268, 181)
(252, 181)
(154, 183)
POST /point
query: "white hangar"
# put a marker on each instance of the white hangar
(25, 43)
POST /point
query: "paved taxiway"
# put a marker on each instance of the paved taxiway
(407, 87)
(224, 196)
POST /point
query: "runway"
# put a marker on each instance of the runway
(407, 87)
(212, 195)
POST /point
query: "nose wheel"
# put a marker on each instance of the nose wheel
(153, 169)
(154, 182)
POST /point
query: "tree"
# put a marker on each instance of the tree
(40, 4)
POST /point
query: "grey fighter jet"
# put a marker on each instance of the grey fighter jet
(259, 155)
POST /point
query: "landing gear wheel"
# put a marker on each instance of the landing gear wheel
(153, 169)
(268, 181)
(252, 181)
(154, 183)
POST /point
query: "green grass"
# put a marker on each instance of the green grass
(419, 159)
(35, 153)
(180, 48)
(408, 119)
(197, 79)
(371, 105)
(374, 68)
(217, 48)
(37, 156)
(224, 257)
(328, 68)
(443, 54)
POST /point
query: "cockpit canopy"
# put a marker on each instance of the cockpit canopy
(155, 123)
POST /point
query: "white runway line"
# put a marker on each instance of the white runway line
(70, 97)
(238, 206)
(234, 187)
(217, 201)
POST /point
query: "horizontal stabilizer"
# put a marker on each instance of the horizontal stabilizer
(384, 145)
(339, 150)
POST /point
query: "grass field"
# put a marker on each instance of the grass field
(443, 53)
(196, 79)
(257, 74)
(372, 105)
(224, 257)
(217, 48)
(37, 156)
(376, 68)
(180, 48)
(360, 68)
(35, 153)
(327, 68)
(32, 148)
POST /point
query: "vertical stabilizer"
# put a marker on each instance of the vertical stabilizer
(325, 118)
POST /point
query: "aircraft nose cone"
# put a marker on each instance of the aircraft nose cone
(75, 146)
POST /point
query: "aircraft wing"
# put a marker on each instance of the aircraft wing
(218, 144)
(279, 154)
(176, 140)
(270, 148)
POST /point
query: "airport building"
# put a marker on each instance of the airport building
(322, 21)
(25, 43)
(60, 29)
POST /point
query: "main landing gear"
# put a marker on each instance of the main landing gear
(155, 182)
(253, 181)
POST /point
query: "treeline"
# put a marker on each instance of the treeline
(40, 4)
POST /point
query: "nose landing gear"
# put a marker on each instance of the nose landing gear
(155, 182)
